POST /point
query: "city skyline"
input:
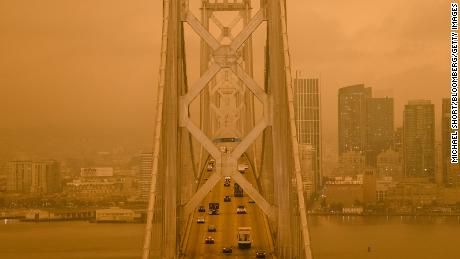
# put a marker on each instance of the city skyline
(227, 150)
(119, 96)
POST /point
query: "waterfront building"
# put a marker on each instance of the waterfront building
(346, 193)
(94, 188)
(369, 186)
(383, 186)
(59, 214)
(115, 214)
(414, 192)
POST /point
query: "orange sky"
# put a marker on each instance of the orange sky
(94, 63)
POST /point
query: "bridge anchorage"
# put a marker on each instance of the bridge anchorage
(228, 118)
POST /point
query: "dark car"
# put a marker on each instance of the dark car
(227, 184)
(214, 212)
(227, 199)
(201, 209)
(260, 254)
(227, 250)
(212, 228)
(209, 240)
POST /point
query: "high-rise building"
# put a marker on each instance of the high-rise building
(45, 177)
(398, 139)
(450, 172)
(419, 145)
(365, 123)
(307, 103)
(145, 175)
(380, 127)
(18, 176)
(353, 118)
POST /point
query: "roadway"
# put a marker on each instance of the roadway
(227, 223)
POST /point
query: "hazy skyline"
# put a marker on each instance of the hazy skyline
(83, 66)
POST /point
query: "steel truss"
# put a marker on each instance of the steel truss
(174, 194)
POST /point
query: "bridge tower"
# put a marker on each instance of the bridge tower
(226, 91)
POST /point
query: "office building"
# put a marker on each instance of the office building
(380, 127)
(307, 103)
(45, 177)
(353, 118)
(18, 176)
(419, 145)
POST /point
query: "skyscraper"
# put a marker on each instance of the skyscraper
(307, 103)
(353, 118)
(418, 140)
(18, 176)
(380, 127)
(45, 177)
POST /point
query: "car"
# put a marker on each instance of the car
(201, 209)
(260, 254)
(210, 167)
(227, 184)
(200, 220)
(242, 168)
(212, 228)
(227, 199)
(227, 178)
(227, 250)
(209, 240)
(241, 210)
(214, 212)
(251, 201)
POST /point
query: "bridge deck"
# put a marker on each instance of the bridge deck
(227, 223)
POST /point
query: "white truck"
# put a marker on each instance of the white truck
(244, 237)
